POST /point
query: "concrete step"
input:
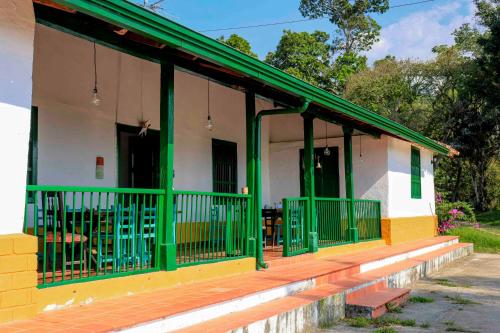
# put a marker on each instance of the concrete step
(325, 303)
(375, 304)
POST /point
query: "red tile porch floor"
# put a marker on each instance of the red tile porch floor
(127, 311)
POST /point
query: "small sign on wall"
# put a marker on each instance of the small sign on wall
(99, 167)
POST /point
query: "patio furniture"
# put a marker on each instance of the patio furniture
(53, 212)
(269, 217)
(147, 234)
(125, 236)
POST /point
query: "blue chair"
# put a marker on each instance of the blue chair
(125, 234)
(146, 235)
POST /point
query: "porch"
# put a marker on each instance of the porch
(313, 292)
(168, 198)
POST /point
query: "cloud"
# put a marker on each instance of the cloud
(415, 35)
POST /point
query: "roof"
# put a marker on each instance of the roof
(142, 21)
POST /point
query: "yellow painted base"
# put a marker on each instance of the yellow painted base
(348, 248)
(406, 229)
(81, 293)
(18, 277)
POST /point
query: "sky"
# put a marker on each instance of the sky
(407, 32)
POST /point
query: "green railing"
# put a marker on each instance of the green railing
(295, 218)
(210, 227)
(368, 219)
(333, 221)
(88, 233)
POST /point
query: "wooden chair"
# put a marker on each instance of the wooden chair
(146, 236)
(269, 217)
(52, 206)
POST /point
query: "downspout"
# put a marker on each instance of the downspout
(258, 173)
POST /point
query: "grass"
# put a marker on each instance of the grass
(425, 325)
(385, 330)
(484, 241)
(446, 283)
(490, 218)
(359, 322)
(452, 327)
(460, 300)
(388, 321)
(393, 308)
(421, 299)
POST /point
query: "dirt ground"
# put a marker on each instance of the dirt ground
(465, 298)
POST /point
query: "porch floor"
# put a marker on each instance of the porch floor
(128, 311)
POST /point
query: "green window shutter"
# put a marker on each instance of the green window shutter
(416, 186)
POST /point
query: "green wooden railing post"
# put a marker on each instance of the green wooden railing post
(309, 191)
(250, 144)
(286, 229)
(167, 250)
(349, 183)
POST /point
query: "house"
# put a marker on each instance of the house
(133, 147)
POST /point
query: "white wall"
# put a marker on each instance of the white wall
(16, 58)
(399, 161)
(72, 132)
(370, 169)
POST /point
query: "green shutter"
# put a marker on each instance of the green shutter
(416, 186)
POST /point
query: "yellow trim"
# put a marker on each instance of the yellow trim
(81, 293)
(405, 229)
(348, 248)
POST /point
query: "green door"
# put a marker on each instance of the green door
(326, 173)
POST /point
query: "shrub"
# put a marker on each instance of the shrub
(453, 214)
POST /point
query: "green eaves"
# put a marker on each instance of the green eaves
(142, 21)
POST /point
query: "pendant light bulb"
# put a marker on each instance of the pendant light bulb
(210, 124)
(96, 99)
(326, 152)
(318, 166)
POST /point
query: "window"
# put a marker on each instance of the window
(416, 186)
(224, 166)
(31, 176)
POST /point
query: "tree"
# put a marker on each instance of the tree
(395, 89)
(239, 43)
(356, 32)
(305, 55)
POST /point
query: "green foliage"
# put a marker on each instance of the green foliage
(385, 330)
(239, 43)
(460, 300)
(421, 299)
(356, 30)
(305, 55)
(359, 322)
(490, 218)
(447, 210)
(484, 241)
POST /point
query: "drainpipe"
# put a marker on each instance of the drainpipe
(258, 172)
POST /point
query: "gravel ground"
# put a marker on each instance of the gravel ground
(466, 298)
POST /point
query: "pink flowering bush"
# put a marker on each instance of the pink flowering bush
(453, 214)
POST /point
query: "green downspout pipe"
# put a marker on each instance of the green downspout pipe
(258, 173)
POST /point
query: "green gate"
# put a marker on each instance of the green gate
(295, 212)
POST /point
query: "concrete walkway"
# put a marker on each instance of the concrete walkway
(466, 296)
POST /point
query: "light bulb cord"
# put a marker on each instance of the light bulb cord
(95, 68)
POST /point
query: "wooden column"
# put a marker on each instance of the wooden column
(349, 182)
(167, 245)
(309, 190)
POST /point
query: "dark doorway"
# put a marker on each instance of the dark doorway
(139, 158)
(224, 166)
(326, 177)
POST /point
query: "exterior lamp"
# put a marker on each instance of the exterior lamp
(210, 124)
(326, 152)
(96, 99)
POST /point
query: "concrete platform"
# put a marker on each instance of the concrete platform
(297, 296)
(375, 304)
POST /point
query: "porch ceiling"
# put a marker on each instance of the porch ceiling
(135, 30)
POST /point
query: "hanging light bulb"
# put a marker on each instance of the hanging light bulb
(96, 99)
(210, 124)
(360, 150)
(326, 152)
(318, 165)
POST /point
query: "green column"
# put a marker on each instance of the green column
(349, 182)
(250, 144)
(309, 190)
(167, 246)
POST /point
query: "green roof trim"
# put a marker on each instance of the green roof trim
(140, 20)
